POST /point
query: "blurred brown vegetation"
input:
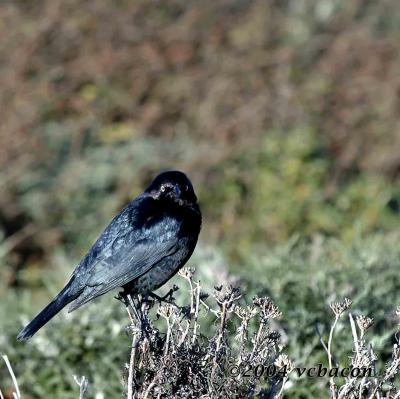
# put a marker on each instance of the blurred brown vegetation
(284, 113)
(97, 96)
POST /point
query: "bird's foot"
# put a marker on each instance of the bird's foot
(140, 324)
(168, 297)
(121, 296)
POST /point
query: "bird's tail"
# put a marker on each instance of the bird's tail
(60, 301)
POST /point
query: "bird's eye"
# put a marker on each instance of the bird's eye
(162, 188)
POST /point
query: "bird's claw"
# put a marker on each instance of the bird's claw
(121, 297)
(168, 298)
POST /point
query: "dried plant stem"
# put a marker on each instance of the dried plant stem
(83, 384)
(350, 382)
(185, 334)
(330, 341)
(166, 345)
(390, 371)
(375, 390)
(150, 387)
(196, 314)
(360, 389)
(354, 332)
(135, 341)
(17, 393)
(321, 340)
(209, 309)
(130, 315)
(282, 386)
(178, 359)
(221, 328)
(219, 338)
(191, 296)
(331, 380)
(257, 339)
(131, 370)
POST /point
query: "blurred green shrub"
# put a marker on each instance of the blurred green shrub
(289, 184)
(285, 114)
(302, 278)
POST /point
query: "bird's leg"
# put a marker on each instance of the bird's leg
(126, 298)
(140, 316)
(123, 298)
(136, 308)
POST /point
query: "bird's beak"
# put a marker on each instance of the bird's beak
(177, 191)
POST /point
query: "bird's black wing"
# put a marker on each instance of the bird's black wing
(129, 257)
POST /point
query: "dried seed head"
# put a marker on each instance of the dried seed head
(283, 361)
(274, 336)
(186, 272)
(364, 323)
(241, 332)
(203, 295)
(268, 309)
(166, 310)
(244, 312)
(227, 295)
(339, 307)
(364, 357)
(241, 312)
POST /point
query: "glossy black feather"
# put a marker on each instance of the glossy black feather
(142, 247)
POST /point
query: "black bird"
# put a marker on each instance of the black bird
(140, 250)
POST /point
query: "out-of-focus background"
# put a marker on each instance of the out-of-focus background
(286, 116)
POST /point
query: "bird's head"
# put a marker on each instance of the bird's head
(172, 186)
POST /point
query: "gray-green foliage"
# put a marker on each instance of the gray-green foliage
(287, 185)
(302, 278)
